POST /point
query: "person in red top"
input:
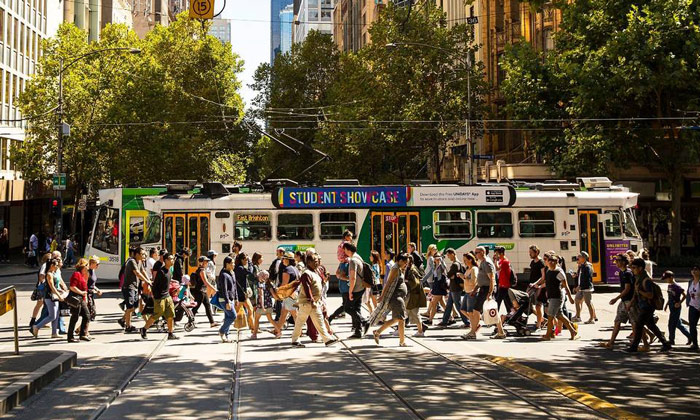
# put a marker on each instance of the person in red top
(78, 287)
(504, 273)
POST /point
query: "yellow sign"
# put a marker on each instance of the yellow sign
(253, 218)
(7, 301)
(201, 9)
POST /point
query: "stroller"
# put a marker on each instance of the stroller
(183, 304)
(521, 310)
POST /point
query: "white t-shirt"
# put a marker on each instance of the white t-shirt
(694, 295)
(149, 265)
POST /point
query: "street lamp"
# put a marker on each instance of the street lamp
(393, 45)
(65, 129)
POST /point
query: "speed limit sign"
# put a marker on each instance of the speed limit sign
(201, 9)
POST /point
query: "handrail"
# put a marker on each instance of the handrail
(8, 302)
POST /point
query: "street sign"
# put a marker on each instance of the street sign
(483, 157)
(201, 9)
(7, 301)
(59, 182)
(82, 204)
(472, 20)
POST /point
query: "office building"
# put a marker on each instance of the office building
(221, 29)
(286, 24)
(276, 25)
(313, 15)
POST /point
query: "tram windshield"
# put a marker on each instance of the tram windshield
(629, 224)
(106, 233)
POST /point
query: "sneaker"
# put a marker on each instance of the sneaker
(224, 338)
(143, 333)
(419, 334)
(356, 335)
(121, 322)
(214, 325)
(452, 321)
(575, 319)
(469, 336)
(298, 345)
(84, 338)
(331, 342)
(629, 350)
(172, 336)
(665, 348)
(694, 348)
(130, 330)
(425, 327)
(442, 325)
(35, 331)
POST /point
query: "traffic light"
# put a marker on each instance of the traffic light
(56, 207)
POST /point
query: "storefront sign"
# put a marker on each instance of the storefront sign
(612, 248)
(463, 196)
(339, 197)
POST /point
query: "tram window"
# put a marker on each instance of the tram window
(106, 235)
(152, 234)
(452, 225)
(613, 227)
(334, 224)
(295, 226)
(494, 225)
(630, 225)
(253, 227)
(136, 230)
(536, 224)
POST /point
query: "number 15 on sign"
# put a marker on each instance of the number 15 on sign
(201, 9)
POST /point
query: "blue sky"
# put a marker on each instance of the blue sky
(250, 36)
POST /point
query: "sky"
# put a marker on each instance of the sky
(250, 37)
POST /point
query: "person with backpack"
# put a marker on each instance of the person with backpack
(555, 282)
(179, 265)
(584, 288)
(625, 296)
(199, 286)
(676, 296)
(693, 302)
(416, 297)
(309, 302)
(356, 289)
(647, 298)
(133, 273)
(456, 286)
(163, 305)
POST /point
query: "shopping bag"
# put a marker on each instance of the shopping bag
(490, 312)
(241, 321)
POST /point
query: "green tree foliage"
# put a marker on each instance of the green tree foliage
(170, 112)
(382, 113)
(621, 77)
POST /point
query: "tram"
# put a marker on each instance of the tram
(590, 215)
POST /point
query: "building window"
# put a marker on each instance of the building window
(536, 224)
(313, 15)
(326, 15)
(452, 225)
(253, 227)
(295, 226)
(494, 224)
(334, 224)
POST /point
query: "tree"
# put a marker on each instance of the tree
(171, 111)
(621, 78)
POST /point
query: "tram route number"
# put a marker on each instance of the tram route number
(201, 9)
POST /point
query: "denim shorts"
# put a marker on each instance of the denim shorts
(554, 307)
(468, 303)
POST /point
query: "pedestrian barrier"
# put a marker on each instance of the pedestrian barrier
(8, 302)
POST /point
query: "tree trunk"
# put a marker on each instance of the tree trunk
(676, 200)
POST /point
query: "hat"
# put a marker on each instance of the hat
(289, 255)
(667, 274)
(584, 254)
(162, 252)
(95, 259)
(203, 259)
(211, 253)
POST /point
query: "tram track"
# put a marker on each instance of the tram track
(236, 378)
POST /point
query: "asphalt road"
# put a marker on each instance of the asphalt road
(196, 377)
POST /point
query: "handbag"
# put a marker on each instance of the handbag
(241, 321)
(215, 302)
(73, 301)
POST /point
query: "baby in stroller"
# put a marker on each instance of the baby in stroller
(184, 302)
(522, 307)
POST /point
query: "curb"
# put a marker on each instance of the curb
(19, 274)
(14, 394)
(569, 391)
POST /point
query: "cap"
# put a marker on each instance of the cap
(95, 259)
(289, 255)
(584, 254)
(211, 252)
(162, 252)
(202, 259)
(667, 274)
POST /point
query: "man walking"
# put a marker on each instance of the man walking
(584, 288)
(504, 274)
(130, 290)
(456, 286)
(417, 258)
(644, 301)
(310, 303)
(163, 305)
(275, 279)
(354, 303)
(485, 281)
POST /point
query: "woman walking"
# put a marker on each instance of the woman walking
(240, 273)
(396, 285)
(199, 288)
(693, 301)
(469, 299)
(93, 264)
(289, 275)
(438, 288)
(416, 297)
(55, 292)
(79, 288)
(226, 293)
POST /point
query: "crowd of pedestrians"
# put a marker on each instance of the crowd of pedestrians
(477, 290)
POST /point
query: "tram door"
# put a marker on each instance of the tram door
(591, 240)
(394, 230)
(190, 230)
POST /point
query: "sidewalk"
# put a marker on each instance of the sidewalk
(16, 269)
(23, 375)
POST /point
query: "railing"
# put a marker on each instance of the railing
(8, 302)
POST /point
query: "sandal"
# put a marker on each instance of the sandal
(376, 336)
(605, 344)
(403, 344)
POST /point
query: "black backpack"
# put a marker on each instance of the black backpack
(513, 278)
(367, 275)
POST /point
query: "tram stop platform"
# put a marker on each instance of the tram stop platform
(23, 375)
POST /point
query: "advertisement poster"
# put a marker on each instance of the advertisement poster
(339, 197)
(467, 196)
(612, 248)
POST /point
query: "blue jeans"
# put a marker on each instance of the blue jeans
(229, 318)
(674, 321)
(454, 299)
(693, 318)
(52, 316)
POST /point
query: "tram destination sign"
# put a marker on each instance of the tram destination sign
(462, 196)
(339, 197)
(394, 196)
